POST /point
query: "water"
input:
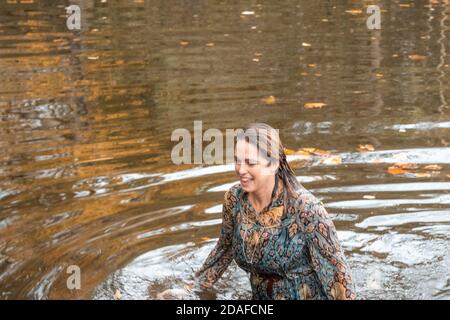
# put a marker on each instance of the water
(86, 117)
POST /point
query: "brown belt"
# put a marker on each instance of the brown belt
(270, 278)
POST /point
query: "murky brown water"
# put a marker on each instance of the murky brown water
(86, 117)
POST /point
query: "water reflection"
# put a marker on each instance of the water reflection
(86, 118)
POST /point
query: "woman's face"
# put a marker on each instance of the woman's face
(252, 168)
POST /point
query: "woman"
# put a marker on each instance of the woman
(275, 229)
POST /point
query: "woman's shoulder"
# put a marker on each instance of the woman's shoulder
(307, 207)
(232, 194)
(303, 197)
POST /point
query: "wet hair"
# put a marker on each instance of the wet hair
(268, 143)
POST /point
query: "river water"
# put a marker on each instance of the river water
(86, 116)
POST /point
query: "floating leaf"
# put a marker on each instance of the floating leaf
(184, 43)
(306, 44)
(317, 152)
(368, 196)
(332, 160)
(402, 168)
(354, 11)
(205, 238)
(396, 170)
(434, 167)
(407, 166)
(307, 152)
(93, 57)
(422, 174)
(210, 44)
(366, 147)
(314, 105)
(117, 295)
(247, 13)
(416, 57)
(269, 100)
(299, 152)
(312, 65)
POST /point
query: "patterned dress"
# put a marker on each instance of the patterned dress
(291, 255)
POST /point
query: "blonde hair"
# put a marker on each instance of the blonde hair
(269, 145)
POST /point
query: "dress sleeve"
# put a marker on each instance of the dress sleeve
(326, 255)
(222, 255)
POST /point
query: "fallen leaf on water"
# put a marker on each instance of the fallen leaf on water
(433, 167)
(184, 43)
(312, 65)
(332, 160)
(307, 152)
(205, 238)
(93, 58)
(402, 168)
(404, 5)
(306, 44)
(255, 59)
(314, 105)
(269, 100)
(247, 13)
(396, 170)
(379, 75)
(210, 44)
(422, 174)
(299, 152)
(317, 152)
(354, 11)
(407, 166)
(416, 57)
(366, 147)
(117, 295)
(368, 196)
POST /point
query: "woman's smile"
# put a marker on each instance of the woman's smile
(245, 181)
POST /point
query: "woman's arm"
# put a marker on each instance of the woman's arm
(221, 256)
(327, 257)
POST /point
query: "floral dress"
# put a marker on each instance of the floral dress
(292, 255)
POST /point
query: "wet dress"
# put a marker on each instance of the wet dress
(288, 255)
